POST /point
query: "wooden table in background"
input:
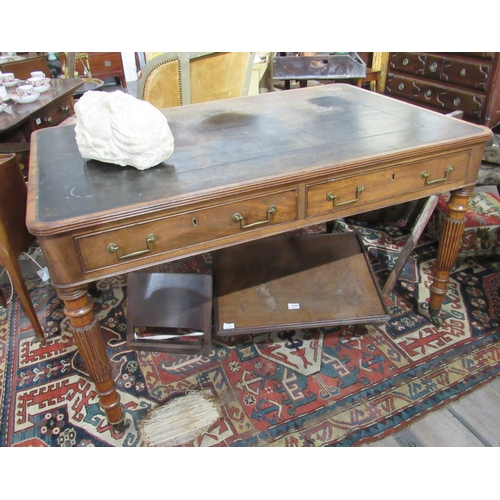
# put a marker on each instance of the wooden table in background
(314, 154)
(19, 121)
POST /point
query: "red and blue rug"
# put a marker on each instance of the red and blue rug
(316, 387)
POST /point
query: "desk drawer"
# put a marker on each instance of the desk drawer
(53, 115)
(407, 62)
(337, 194)
(436, 95)
(103, 64)
(144, 239)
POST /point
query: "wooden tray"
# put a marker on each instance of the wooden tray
(282, 282)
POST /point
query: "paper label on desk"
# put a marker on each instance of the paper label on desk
(228, 326)
(293, 306)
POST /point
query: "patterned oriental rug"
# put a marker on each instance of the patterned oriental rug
(316, 387)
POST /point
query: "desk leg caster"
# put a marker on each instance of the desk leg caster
(122, 425)
(434, 317)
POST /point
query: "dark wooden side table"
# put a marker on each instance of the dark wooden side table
(243, 169)
(19, 121)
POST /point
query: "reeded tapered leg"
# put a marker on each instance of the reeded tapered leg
(87, 334)
(450, 240)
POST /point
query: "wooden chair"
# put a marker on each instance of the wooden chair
(180, 78)
(14, 236)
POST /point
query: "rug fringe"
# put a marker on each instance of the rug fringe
(180, 420)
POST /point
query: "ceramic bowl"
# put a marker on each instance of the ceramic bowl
(13, 83)
(25, 100)
(42, 89)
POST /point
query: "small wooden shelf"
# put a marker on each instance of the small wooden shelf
(285, 282)
(172, 311)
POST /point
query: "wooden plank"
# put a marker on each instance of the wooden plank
(388, 442)
(410, 244)
(480, 410)
(443, 429)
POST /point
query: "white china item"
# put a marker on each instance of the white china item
(25, 99)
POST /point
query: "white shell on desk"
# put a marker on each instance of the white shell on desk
(117, 128)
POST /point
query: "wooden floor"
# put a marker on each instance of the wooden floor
(472, 421)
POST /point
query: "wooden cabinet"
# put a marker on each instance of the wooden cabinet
(23, 65)
(103, 65)
(446, 82)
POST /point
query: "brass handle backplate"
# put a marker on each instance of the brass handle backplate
(425, 175)
(237, 217)
(114, 248)
(333, 197)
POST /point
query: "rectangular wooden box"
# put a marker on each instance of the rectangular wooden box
(171, 308)
(283, 282)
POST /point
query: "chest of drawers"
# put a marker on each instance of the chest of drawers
(447, 82)
(104, 65)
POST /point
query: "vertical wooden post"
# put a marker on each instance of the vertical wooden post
(449, 243)
(380, 61)
(88, 337)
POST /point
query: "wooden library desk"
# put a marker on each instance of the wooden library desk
(243, 169)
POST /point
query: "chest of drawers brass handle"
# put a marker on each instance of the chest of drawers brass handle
(114, 248)
(237, 217)
(333, 197)
(425, 175)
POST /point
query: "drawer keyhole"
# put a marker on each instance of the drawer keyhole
(195, 222)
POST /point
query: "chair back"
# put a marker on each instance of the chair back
(180, 78)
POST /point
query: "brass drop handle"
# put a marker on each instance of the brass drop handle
(333, 197)
(113, 248)
(425, 175)
(237, 217)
